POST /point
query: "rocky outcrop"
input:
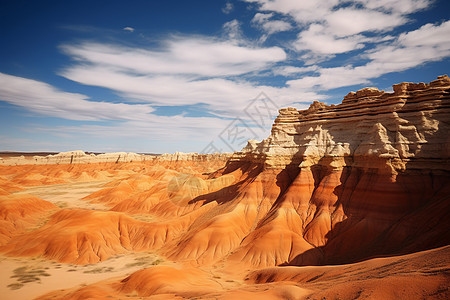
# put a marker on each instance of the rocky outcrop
(192, 156)
(80, 157)
(370, 176)
(74, 157)
(370, 129)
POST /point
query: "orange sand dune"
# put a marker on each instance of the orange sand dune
(8, 186)
(159, 280)
(19, 212)
(252, 215)
(84, 237)
(249, 214)
(3, 192)
(415, 276)
(80, 236)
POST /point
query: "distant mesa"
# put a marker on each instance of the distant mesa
(80, 157)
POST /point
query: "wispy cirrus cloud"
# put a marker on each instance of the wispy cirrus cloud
(270, 26)
(45, 99)
(128, 28)
(367, 28)
(399, 6)
(330, 27)
(228, 8)
(430, 42)
(193, 56)
(310, 11)
(185, 70)
(124, 121)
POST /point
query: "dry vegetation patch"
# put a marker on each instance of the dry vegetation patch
(27, 274)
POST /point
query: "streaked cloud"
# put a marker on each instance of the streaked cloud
(269, 26)
(130, 29)
(399, 6)
(430, 42)
(291, 70)
(44, 99)
(233, 31)
(186, 70)
(194, 56)
(329, 27)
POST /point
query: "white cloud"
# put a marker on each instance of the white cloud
(319, 41)
(185, 71)
(261, 18)
(291, 70)
(398, 6)
(129, 121)
(233, 30)
(130, 29)
(42, 98)
(227, 8)
(194, 56)
(226, 96)
(264, 22)
(309, 11)
(429, 43)
(303, 12)
(327, 28)
(428, 35)
(351, 21)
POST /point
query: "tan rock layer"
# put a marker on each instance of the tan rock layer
(80, 157)
(370, 129)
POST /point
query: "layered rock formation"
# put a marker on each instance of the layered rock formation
(370, 129)
(80, 157)
(368, 177)
(359, 171)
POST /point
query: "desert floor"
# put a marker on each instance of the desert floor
(136, 273)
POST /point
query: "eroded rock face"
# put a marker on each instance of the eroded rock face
(361, 173)
(334, 184)
(370, 129)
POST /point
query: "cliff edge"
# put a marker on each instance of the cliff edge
(408, 128)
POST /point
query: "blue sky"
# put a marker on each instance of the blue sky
(166, 76)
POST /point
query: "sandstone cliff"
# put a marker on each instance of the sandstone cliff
(366, 177)
(335, 184)
(370, 129)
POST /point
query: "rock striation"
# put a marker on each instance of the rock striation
(73, 157)
(367, 177)
(80, 157)
(409, 126)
